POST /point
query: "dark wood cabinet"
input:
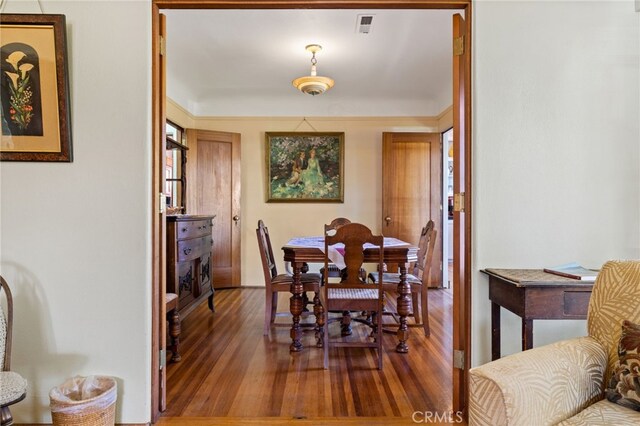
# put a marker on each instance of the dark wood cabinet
(189, 260)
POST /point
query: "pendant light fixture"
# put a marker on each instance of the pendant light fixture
(313, 84)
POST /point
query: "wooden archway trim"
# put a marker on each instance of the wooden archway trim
(313, 4)
(461, 322)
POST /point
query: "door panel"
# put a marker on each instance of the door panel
(214, 188)
(462, 212)
(411, 189)
(159, 266)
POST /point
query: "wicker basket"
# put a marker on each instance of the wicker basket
(84, 401)
(103, 417)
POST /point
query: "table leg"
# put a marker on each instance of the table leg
(318, 311)
(210, 300)
(404, 309)
(527, 334)
(174, 333)
(296, 305)
(495, 331)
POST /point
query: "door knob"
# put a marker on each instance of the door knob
(388, 220)
(236, 218)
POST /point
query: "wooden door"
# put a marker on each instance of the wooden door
(461, 212)
(213, 173)
(412, 189)
(158, 224)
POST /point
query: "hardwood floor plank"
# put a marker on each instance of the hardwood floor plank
(316, 421)
(229, 369)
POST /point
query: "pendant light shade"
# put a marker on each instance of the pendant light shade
(313, 84)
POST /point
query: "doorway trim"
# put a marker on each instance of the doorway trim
(157, 261)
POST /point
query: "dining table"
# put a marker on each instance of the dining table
(299, 251)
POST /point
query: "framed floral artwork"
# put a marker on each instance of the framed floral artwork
(305, 167)
(36, 124)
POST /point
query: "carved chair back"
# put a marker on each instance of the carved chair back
(335, 224)
(354, 236)
(266, 253)
(421, 269)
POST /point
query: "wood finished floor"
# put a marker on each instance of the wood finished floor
(229, 369)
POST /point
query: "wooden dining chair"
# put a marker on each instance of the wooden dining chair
(419, 278)
(13, 387)
(333, 270)
(275, 283)
(353, 293)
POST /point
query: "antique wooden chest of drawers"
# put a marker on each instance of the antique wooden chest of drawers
(189, 260)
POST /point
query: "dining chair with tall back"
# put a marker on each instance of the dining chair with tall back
(13, 387)
(419, 278)
(353, 293)
(275, 283)
(333, 270)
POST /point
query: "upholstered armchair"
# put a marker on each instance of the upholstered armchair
(565, 382)
(13, 388)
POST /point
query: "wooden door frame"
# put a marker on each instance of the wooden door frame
(157, 143)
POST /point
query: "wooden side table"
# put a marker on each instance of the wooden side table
(534, 294)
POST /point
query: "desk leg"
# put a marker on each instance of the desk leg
(296, 305)
(404, 309)
(527, 334)
(495, 331)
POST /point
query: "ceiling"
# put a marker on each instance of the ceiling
(242, 62)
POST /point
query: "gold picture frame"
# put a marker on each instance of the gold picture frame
(34, 82)
(305, 167)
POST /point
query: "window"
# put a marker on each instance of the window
(175, 162)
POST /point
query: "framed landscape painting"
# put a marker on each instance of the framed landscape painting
(305, 167)
(34, 108)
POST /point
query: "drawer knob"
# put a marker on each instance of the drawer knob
(184, 230)
(187, 250)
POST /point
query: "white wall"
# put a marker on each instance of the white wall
(74, 237)
(556, 146)
(363, 179)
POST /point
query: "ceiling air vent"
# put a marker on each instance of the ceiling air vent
(364, 24)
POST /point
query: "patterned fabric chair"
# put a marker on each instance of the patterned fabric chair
(13, 388)
(564, 383)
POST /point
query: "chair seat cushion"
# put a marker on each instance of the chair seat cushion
(604, 413)
(311, 278)
(353, 293)
(394, 278)
(12, 387)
